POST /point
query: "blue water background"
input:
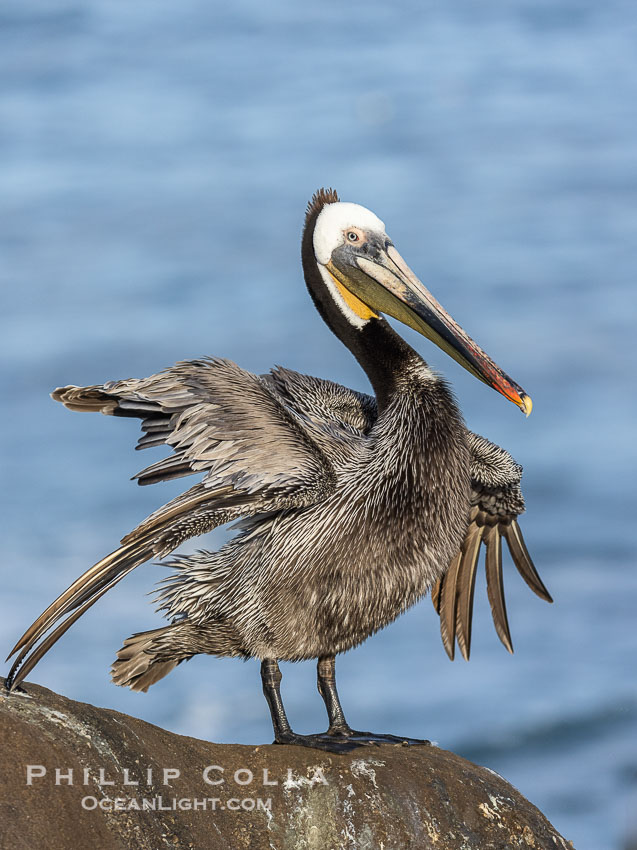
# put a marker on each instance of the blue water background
(155, 162)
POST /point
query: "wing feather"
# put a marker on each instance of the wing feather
(496, 503)
(466, 587)
(522, 559)
(19, 671)
(436, 593)
(448, 605)
(253, 450)
(219, 420)
(495, 587)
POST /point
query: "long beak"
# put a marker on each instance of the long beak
(388, 285)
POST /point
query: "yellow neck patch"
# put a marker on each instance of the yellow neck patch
(359, 307)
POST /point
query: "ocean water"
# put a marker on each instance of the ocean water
(155, 162)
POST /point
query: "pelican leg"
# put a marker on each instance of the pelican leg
(271, 679)
(283, 734)
(326, 683)
(339, 727)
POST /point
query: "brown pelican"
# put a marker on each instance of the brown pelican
(352, 506)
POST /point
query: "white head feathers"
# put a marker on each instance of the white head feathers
(334, 219)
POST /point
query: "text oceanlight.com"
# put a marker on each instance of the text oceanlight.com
(171, 804)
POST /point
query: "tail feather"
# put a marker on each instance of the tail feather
(139, 663)
(146, 657)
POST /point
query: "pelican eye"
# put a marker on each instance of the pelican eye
(352, 236)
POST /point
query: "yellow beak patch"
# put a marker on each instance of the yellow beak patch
(359, 307)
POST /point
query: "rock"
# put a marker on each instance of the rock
(274, 797)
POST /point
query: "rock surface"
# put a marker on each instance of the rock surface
(377, 798)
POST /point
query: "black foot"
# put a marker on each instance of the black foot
(326, 741)
(377, 738)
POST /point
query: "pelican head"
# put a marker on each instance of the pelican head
(356, 256)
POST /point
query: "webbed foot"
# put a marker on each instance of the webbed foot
(326, 741)
(377, 738)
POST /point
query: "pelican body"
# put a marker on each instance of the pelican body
(352, 506)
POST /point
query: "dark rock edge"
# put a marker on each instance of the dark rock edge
(377, 798)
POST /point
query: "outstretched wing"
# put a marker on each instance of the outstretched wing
(496, 502)
(218, 419)
(254, 451)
